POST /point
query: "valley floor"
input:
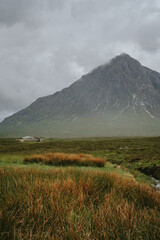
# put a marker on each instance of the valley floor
(117, 201)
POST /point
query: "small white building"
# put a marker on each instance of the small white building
(30, 139)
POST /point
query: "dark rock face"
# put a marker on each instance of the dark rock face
(122, 87)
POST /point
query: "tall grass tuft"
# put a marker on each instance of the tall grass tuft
(64, 159)
(75, 204)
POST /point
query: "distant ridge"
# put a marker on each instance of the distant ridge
(119, 98)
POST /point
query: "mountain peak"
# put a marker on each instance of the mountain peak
(124, 56)
(122, 60)
(122, 93)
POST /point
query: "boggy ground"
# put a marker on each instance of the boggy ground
(38, 201)
(132, 153)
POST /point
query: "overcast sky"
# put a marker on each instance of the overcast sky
(45, 45)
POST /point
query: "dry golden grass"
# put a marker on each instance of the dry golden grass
(63, 159)
(75, 204)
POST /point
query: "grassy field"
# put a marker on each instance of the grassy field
(76, 204)
(141, 154)
(115, 201)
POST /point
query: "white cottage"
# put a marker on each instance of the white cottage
(30, 139)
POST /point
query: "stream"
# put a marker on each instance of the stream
(157, 183)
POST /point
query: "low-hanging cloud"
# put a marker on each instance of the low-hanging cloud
(47, 45)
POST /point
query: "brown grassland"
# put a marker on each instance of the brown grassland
(57, 193)
(67, 203)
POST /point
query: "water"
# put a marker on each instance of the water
(157, 182)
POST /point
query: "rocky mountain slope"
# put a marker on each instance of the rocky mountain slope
(121, 97)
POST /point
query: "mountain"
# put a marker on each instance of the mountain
(119, 98)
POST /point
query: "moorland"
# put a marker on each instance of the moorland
(105, 191)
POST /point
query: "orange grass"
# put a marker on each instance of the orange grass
(75, 204)
(64, 159)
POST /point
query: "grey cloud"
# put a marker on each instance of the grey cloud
(27, 12)
(13, 11)
(47, 45)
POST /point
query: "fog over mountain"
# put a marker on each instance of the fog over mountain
(118, 98)
(46, 45)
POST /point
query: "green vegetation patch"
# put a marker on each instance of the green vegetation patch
(133, 154)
